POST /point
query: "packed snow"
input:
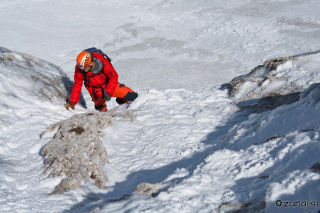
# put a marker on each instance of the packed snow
(194, 142)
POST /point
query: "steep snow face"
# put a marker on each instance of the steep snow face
(247, 162)
(189, 140)
(195, 146)
(163, 44)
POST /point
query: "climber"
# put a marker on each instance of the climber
(101, 81)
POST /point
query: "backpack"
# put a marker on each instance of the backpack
(96, 50)
(103, 87)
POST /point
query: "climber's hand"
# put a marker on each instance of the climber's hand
(69, 106)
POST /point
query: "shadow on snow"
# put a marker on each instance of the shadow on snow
(214, 141)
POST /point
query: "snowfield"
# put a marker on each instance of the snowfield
(213, 129)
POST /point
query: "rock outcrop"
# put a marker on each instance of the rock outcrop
(258, 75)
(146, 189)
(264, 88)
(76, 151)
(46, 81)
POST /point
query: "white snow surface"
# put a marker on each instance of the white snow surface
(188, 136)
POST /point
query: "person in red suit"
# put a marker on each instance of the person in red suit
(101, 81)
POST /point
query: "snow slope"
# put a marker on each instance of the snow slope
(206, 150)
(163, 44)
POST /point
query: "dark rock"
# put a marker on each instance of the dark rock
(315, 167)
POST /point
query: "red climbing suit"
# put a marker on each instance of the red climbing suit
(100, 85)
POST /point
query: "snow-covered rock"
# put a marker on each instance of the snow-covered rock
(257, 76)
(23, 75)
(146, 189)
(275, 83)
(76, 151)
(276, 77)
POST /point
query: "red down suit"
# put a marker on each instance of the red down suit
(100, 85)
